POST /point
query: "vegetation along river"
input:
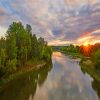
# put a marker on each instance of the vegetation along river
(61, 80)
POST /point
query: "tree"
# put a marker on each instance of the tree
(34, 51)
(19, 46)
(28, 28)
(18, 43)
(46, 53)
(2, 43)
(3, 57)
(2, 61)
(96, 59)
(11, 47)
(41, 45)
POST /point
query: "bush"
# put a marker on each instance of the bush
(96, 59)
(46, 53)
(11, 66)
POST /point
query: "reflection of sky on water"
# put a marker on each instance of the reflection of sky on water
(66, 82)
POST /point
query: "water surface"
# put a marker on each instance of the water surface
(61, 80)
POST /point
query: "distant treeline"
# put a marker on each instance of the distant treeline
(20, 46)
(91, 51)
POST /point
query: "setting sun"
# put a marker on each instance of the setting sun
(86, 44)
(49, 49)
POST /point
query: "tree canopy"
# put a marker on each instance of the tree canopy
(20, 46)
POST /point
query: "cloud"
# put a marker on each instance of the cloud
(59, 42)
(97, 32)
(91, 37)
(2, 31)
(59, 20)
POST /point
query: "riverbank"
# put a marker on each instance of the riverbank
(30, 66)
(86, 65)
(73, 55)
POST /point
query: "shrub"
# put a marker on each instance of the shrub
(46, 54)
(11, 66)
(96, 59)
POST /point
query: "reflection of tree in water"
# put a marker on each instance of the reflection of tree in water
(24, 88)
(43, 73)
(96, 87)
(95, 84)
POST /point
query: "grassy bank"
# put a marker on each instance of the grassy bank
(87, 66)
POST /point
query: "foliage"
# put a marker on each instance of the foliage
(3, 57)
(46, 53)
(70, 49)
(21, 46)
(96, 59)
(11, 66)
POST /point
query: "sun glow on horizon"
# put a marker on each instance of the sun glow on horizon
(86, 44)
(86, 48)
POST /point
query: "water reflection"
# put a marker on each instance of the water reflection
(65, 81)
(95, 84)
(24, 88)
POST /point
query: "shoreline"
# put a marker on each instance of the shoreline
(85, 67)
(90, 70)
(20, 72)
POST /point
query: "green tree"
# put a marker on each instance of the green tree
(19, 42)
(11, 47)
(41, 46)
(2, 43)
(3, 57)
(46, 53)
(34, 51)
(19, 46)
(2, 62)
(96, 59)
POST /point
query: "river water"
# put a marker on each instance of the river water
(61, 80)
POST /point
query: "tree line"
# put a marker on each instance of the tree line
(91, 51)
(20, 46)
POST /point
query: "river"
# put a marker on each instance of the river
(61, 80)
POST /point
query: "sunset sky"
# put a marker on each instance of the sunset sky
(60, 22)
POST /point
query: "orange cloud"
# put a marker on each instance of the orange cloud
(85, 38)
(91, 38)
